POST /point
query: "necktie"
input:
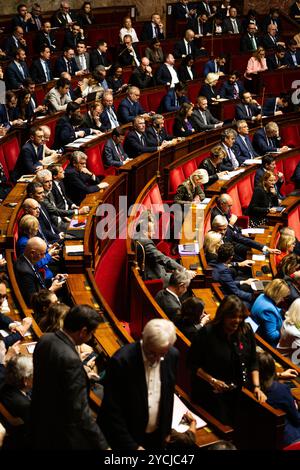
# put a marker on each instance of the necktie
(188, 48)
(249, 112)
(235, 91)
(112, 117)
(253, 42)
(156, 31)
(294, 59)
(21, 70)
(69, 67)
(119, 153)
(142, 140)
(49, 223)
(248, 147)
(38, 23)
(63, 197)
(49, 39)
(200, 28)
(38, 275)
(204, 117)
(235, 28)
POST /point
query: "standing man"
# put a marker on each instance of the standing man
(61, 416)
(136, 411)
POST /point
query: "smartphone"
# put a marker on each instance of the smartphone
(89, 357)
(79, 224)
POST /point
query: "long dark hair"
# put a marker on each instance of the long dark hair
(229, 306)
(267, 370)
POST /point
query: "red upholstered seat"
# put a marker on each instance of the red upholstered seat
(274, 82)
(294, 446)
(290, 136)
(11, 150)
(154, 285)
(207, 225)
(193, 90)
(236, 205)
(169, 122)
(293, 221)
(189, 168)
(245, 192)
(95, 162)
(176, 178)
(202, 157)
(154, 99)
(289, 165)
(3, 163)
(228, 111)
(144, 102)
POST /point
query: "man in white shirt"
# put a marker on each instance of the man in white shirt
(82, 58)
(167, 74)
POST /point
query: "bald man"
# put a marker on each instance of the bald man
(29, 279)
(223, 207)
(142, 76)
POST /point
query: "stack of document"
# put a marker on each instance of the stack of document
(252, 161)
(249, 231)
(189, 249)
(230, 175)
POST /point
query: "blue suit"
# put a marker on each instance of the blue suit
(61, 66)
(110, 155)
(28, 161)
(65, 132)
(106, 124)
(4, 117)
(133, 146)
(227, 90)
(262, 144)
(13, 77)
(269, 107)
(242, 151)
(210, 66)
(128, 110)
(168, 103)
(222, 274)
(42, 264)
(163, 75)
(268, 316)
(289, 59)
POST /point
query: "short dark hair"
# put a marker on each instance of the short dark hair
(80, 316)
(291, 42)
(280, 48)
(32, 187)
(117, 131)
(22, 5)
(180, 86)
(236, 73)
(67, 48)
(191, 309)
(28, 81)
(225, 252)
(62, 82)
(100, 42)
(43, 47)
(267, 160)
(54, 169)
(72, 106)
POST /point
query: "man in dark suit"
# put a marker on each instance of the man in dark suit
(130, 107)
(249, 109)
(267, 140)
(277, 60)
(199, 25)
(114, 153)
(37, 20)
(186, 46)
(136, 141)
(215, 66)
(271, 40)
(204, 7)
(45, 37)
(153, 29)
(79, 181)
(231, 24)
(155, 133)
(292, 55)
(182, 10)
(67, 63)
(41, 69)
(268, 163)
(250, 41)
(129, 54)
(73, 36)
(64, 16)
(242, 147)
(66, 423)
(232, 88)
(108, 116)
(62, 201)
(272, 18)
(23, 19)
(82, 57)
(132, 420)
(92, 119)
(31, 155)
(169, 298)
(98, 55)
(202, 119)
(17, 71)
(14, 42)
(167, 74)
(275, 106)
(142, 76)
(174, 98)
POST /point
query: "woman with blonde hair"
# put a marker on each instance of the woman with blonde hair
(190, 190)
(209, 90)
(289, 343)
(128, 29)
(286, 245)
(256, 64)
(266, 313)
(212, 242)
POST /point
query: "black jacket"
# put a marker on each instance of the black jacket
(78, 185)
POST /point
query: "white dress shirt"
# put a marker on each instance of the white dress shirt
(153, 382)
(173, 75)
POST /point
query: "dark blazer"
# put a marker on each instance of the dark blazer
(180, 49)
(155, 139)
(268, 43)
(127, 111)
(98, 59)
(28, 280)
(13, 76)
(226, 164)
(19, 21)
(246, 43)
(59, 19)
(43, 40)
(273, 62)
(141, 79)
(179, 11)
(156, 263)
(124, 416)
(110, 155)
(61, 66)
(78, 185)
(198, 121)
(65, 132)
(153, 56)
(296, 176)
(184, 75)
(59, 202)
(168, 303)
(268, 20)
(15, 402)
(227, 90)
(211, 170)
(263, 145)
(147, 32)
(28, 160)
(87, 60)
(37, 72)
(89, 123)
(106, 124)
(168, 103)
(222, 274)
(209, 92)
(66, 422)
(241, 244)
(289, 59)
(260, 203)
(56, 212)
(163, 76)
(47, 226)
(242, 151)
(180, 127)
(70, 40)
(241, 112)
(133, 146)
(193, 24)
(4, 116)
(125, 58)
(269, 107)
(210, 66)
(227, 25)
(85, 20)
(10, 46)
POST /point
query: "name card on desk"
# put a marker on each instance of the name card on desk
(249, 231)
(258, 257)
(189, 249)
(230, 175)
(252, 161)
(71, 249)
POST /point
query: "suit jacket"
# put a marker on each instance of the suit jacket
(268, 20)
(163, 75)
(209, 92)
(65, 133)
(155, 139)
(227, 90)
(269, 107)
(4, 116)
(10, 46)
(198, 121)
(106, 124)
(141, 79)
(154, 57)
(241, 244)
(289, 59)
(179, 11)
(246, 43)
(47, 225)
(242, 151)
(211, 170)
(98, 59)
(54, 211)
(15, 402)
(268, 43)
(125, 58)
(133, 146)
(127, 111)
(222, 274)
(269, 318)
(193, 24)
(29, 160)
(211, 66)
(59, 19)
(56, 101)
(59, 202)
(181, 128)
(61, 66)
(37, 72)
(168, 303)
(274, 63)
(78, 185)
(19, 21)
(226, 164)
(70, 40)
(241, 112)
(156, 263)
(110, 155)
(263, 145)
(28, 280)
(168, 103)
(180, 49)
(183, 73)
(66, 422)
(13, 76)
(228, 27)
(260, 203)
(147, 33)
(88, 122)
(87, 60)
(43, 40)
(124, 416)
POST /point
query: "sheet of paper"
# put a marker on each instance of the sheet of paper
(252, 161)
(206, 200)
(30, 347)
(4, 333)
(179, 409)
(258, 257)
(248, 231)
(189, 249)
(74, 249)
(78, 223)
(252, 323)
(73, 145)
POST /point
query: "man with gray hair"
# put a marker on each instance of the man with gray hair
(243, 146)
(142, 76)
(169, 298)
(136, 411)
(230, 162)
(156, 133)
(267, 139)
(130, 108)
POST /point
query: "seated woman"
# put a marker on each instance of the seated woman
(289, 270)
(286, 245)
(279, 396)
(190, 190)
(212, 242)
(222, 359)
(25, 110)
(182, 126)
(256, 64)
(266, 313)
(264, 200)
(85, 16)
(289, 342)
(115, 81)
(40, 303)
(128, 29)
(186, 70)
(53, 318)
(209, 89)
(28, 228)
(192, 317)
(212, 164)
(154, 52)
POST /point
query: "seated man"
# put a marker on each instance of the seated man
(156, 133)
(270, 41)
(67, 63)
(79, 181)
(136, 141)
(250, 41)
(153, 29)
(58, 97)
(266, 140)
(92, 119)
(45, 37)
(108, 116)
(173, 100)
(15, 42)
(232, 88)
(169, 298)
(268, 164)
(186, 46)
(230, 162)
(28, 277)
(215, 65)
(130, 108)
(142, 76)
(114, 153)
(223, 207)
(202, 119)
(232, 24)
(249, 109)
(129, 54)
(73, 36)
(41, 68)
(292, 55)
(62, 201)
(277, 60)
(64, 16)
(200, 25)
(275, 106)
(9, 112)
(17, 71)
(167, 74)
(98, 55)
(242, 147)
(82, 58)
(31, 155)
